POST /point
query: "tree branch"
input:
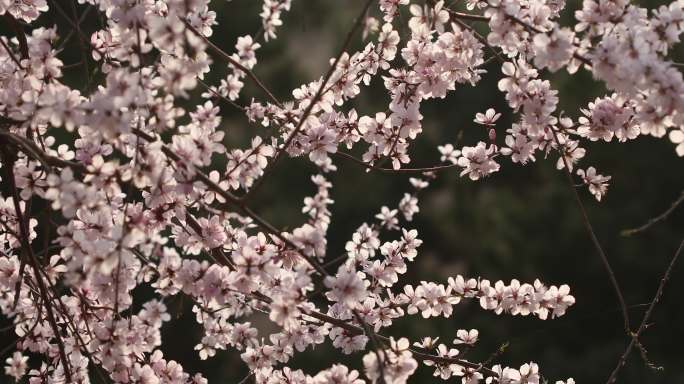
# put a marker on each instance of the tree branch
(312, 103)
(8, 159)
(644, 322)
(655, 220)
(592, 235)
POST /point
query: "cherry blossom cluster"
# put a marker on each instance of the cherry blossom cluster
(431, 299)
(146, 193)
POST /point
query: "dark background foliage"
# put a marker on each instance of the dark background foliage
(520, 223)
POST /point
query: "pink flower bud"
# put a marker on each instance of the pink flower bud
(492, 134)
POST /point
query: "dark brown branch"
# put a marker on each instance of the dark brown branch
(517, 20)
(592, 234)
(21, 36)
(8, 159)
(357, 330)
(32, 150)
(222, 54)
(417, 354)
(72, 31)
(38, 154)
(657, 219)
(82, 42)
(481, 38)
(10, 53)
(377, 348)
(76, 27)
(314, 101)
(61, 307)
(235, 202)
(220, 96)
(264, 224)
(644, 322)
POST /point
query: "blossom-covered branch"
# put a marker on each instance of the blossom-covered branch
(138, 187)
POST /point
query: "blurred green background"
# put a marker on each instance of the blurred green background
(520, 223)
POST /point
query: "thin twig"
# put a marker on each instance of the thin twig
(26, 245)
(357, 330)
(81, 41)
(422, 356)
(32, 150)
(221, 53)
(244, 380)
(313, 102)
(77, 28)
(644, 322)
(481, 38)
(657, 219)
(10, 53)
(517, 20)
(73, 31)
(377, 348)
(235, 202)
(594, 239)
(392, 170)
(468, 16)
(220, 96)
(21, 37)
